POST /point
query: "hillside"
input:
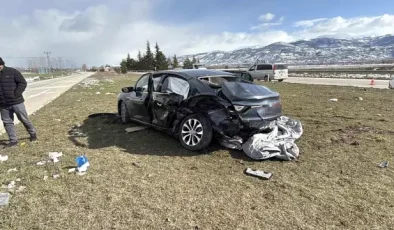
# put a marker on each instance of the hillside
(314, 51)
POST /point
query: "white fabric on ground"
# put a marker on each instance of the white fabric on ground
(278, 143)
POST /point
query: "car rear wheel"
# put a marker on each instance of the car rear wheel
(195, 132)
(280, 80)
(124, 113)
(266, 78)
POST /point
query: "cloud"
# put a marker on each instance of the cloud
(266, 17)
(309, 23)
(266, 20)
(266, 25)
(346, 27)
(101, 35)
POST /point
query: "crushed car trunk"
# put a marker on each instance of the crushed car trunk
(255, 105)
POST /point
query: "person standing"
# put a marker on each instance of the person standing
(12, 86)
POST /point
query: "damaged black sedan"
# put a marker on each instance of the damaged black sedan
(198, 105)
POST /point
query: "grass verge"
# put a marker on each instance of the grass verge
(146, 180)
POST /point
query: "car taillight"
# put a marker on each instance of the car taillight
(276, 105)
(274, 67)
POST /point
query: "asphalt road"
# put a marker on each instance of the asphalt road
(40, 93)
(382, 84)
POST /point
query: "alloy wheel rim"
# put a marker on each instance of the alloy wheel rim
(192, 132)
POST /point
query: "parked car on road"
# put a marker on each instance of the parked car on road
(269, 72)
(197, 105)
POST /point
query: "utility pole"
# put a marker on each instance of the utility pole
(47, 53)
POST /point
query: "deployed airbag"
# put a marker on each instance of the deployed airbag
(176, 85)
(278, 143)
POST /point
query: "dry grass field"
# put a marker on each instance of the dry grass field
(146, 180)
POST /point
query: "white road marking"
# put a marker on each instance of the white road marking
(38, 94)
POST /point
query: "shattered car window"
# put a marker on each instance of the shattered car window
(156, 82)
(176, 85)
(218, 80)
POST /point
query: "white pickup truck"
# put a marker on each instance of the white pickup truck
(198, 66)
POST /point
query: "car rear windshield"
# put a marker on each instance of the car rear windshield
(215, 81)
(281, 67)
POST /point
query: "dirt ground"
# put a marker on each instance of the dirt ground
(146, 180)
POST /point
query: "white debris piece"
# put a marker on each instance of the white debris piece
(258, 173)
(98, 93)
(3, 158)
(84, 167)
(45, 177)
(55, 156)
(41, 163)
(109, 93)
(72, 170)
(11, 185)
(12, 170)
(360, 98)
(278, 142)
(384, 164)
(334, 99)
(55, 176)
(18, 180)
(4, 199)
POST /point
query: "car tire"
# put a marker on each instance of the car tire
(124, 113)
(280, 80)
(195, 132)
(266, 78)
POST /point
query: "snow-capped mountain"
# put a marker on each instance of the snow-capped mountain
(315, 51)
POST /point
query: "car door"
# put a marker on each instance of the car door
(165, 102)
(138, 99)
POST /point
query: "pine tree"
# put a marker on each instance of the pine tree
(139, 61)
(123, 66)
(130, 62)
(160, 59)
(187, 64)
(194, 61)
(149, 58)
(175, 63)
(169, 61)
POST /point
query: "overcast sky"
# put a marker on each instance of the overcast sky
(99, 32)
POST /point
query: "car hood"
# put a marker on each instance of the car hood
(247, 94)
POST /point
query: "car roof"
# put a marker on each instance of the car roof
(195, 73)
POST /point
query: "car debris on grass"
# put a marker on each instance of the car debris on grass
(384, 164)
(258, 173)
(135, 129)
(4, 199)
(3, 158)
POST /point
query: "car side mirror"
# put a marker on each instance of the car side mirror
(138, 89)
(127, 89)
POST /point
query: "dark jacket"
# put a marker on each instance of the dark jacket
(12, 85)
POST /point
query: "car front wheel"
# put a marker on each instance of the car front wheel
(124, 113)
(195, 132)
